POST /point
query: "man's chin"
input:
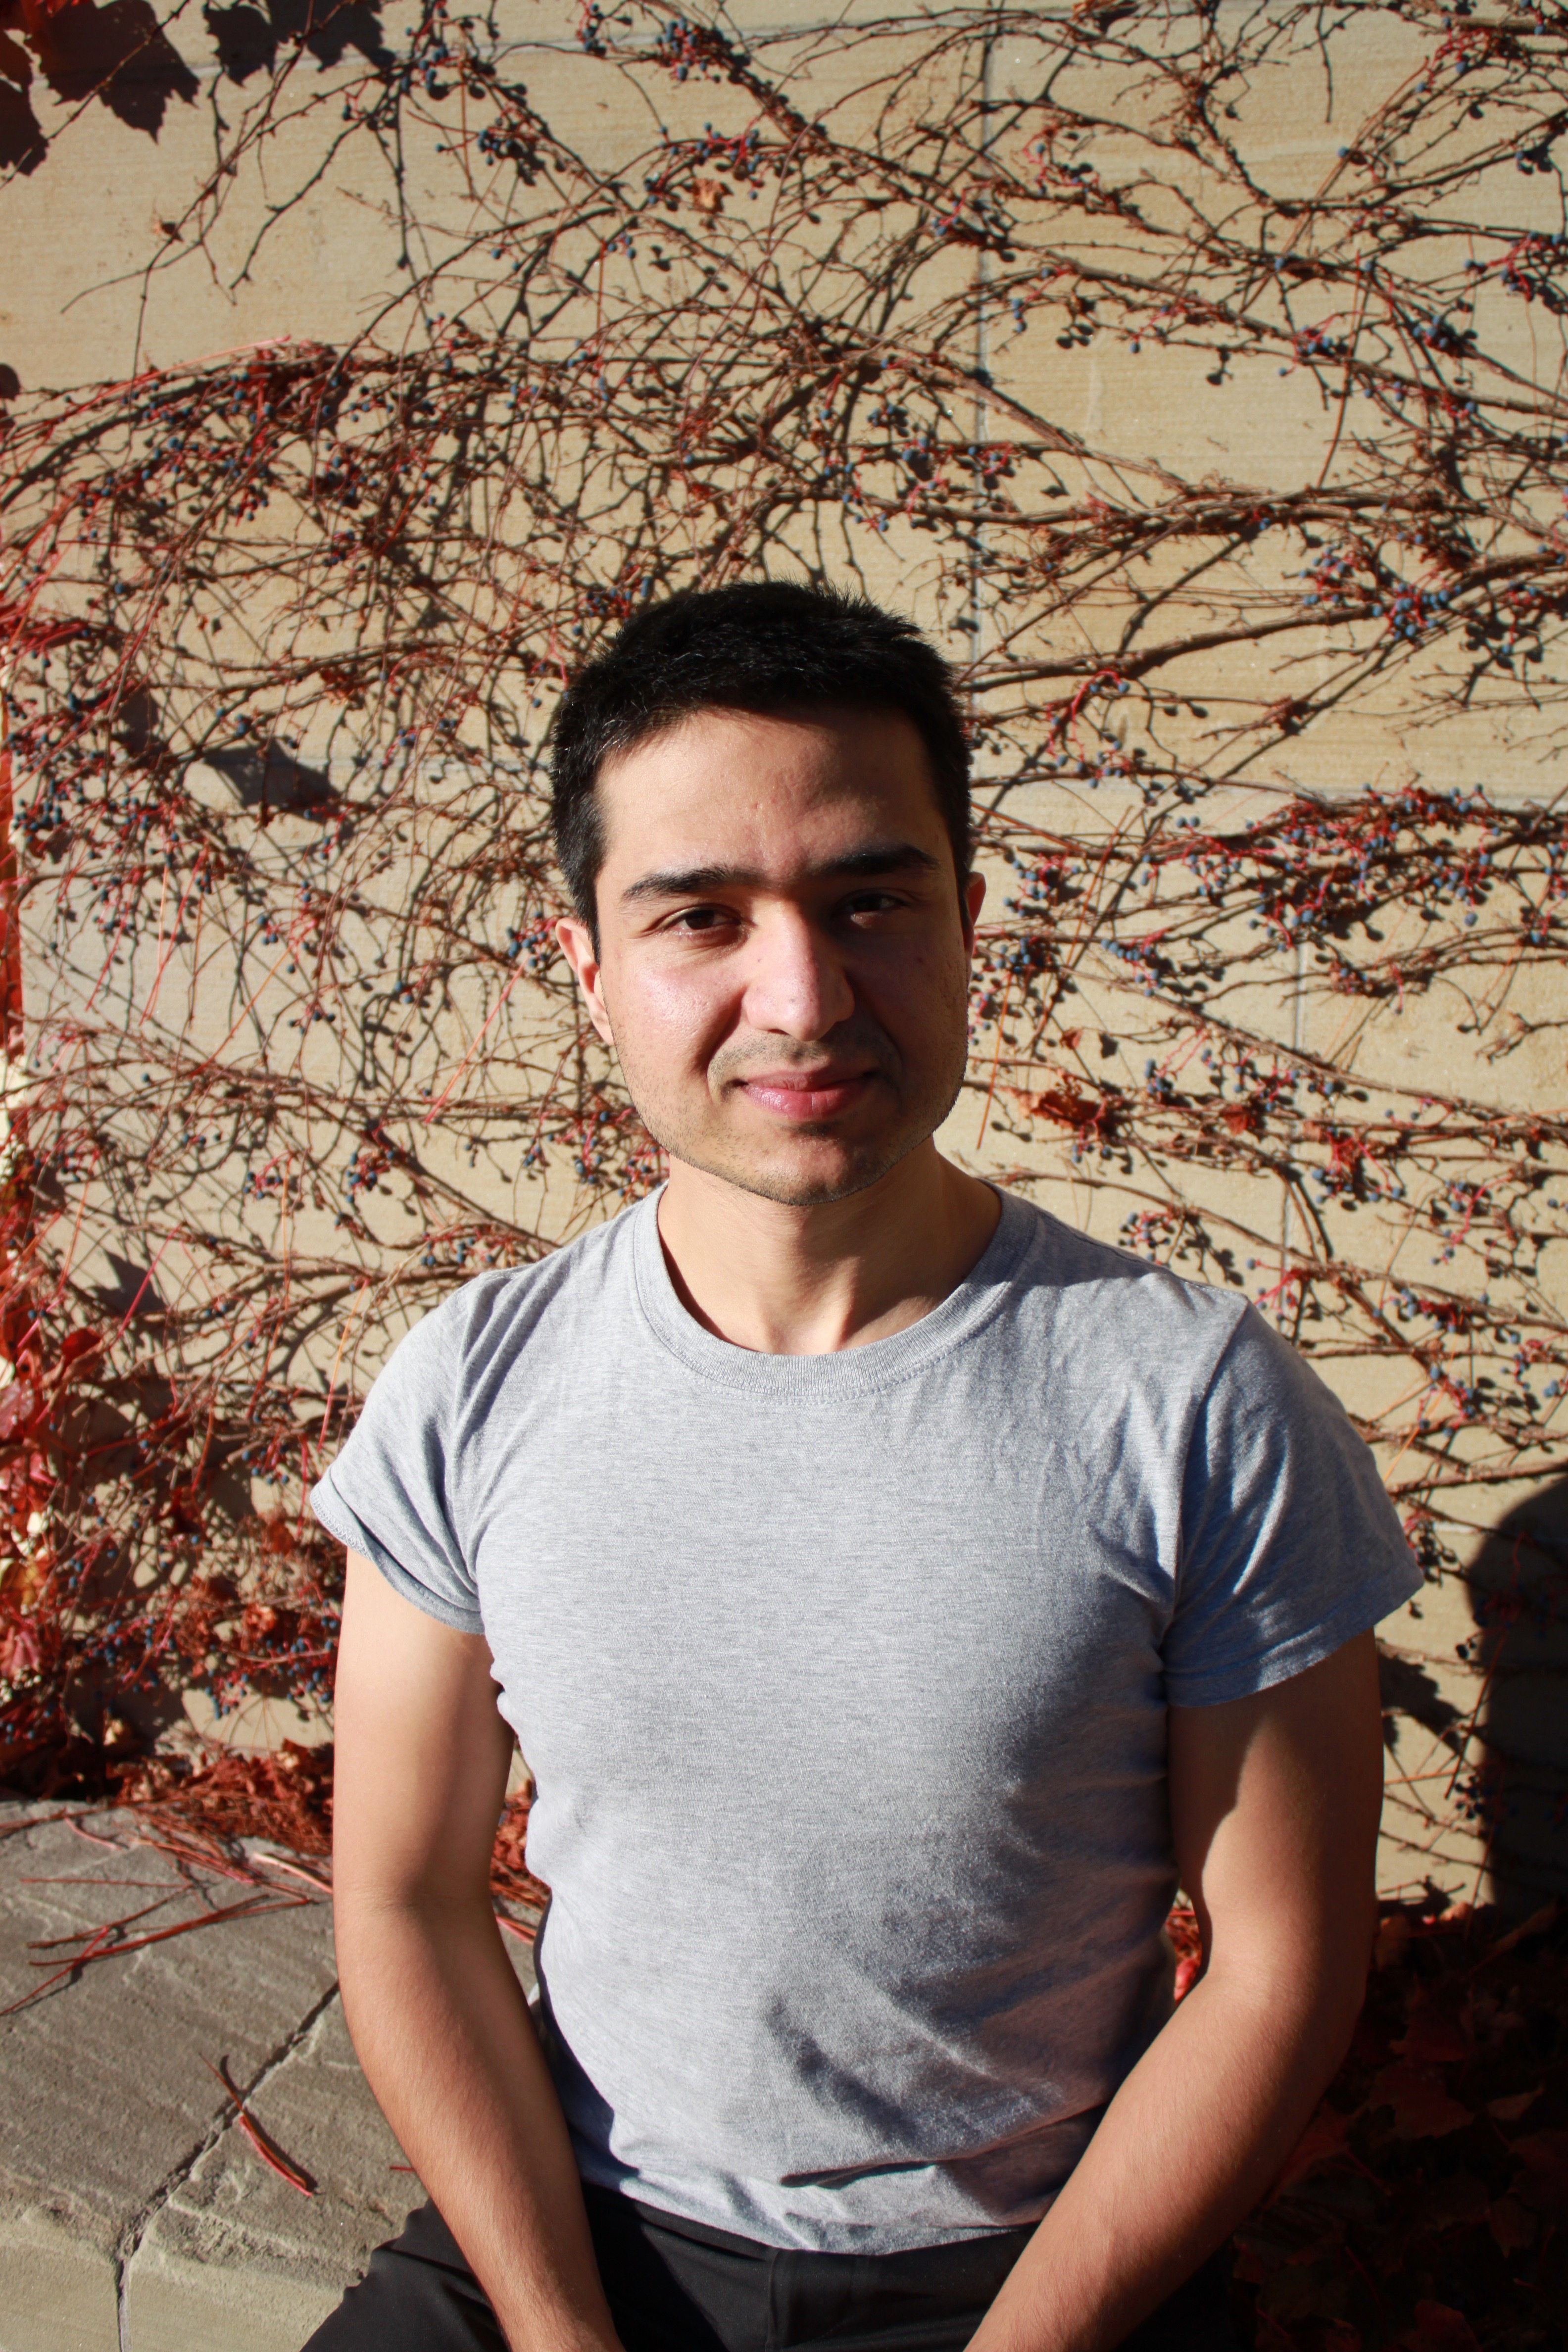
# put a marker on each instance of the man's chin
(808, 1172)
(795, 1192)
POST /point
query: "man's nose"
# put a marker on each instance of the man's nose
(796, 986)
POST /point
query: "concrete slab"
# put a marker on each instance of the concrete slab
(111, 2092)
(58, 2289)
(135, 2215)
(235, 2255)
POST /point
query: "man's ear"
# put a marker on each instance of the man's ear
(576, 944)
(973, 900)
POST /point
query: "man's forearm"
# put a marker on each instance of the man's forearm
(443, 2032)
(1193, 2137)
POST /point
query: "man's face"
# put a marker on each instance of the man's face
(784, 952)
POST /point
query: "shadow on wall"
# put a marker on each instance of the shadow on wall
(1518, 1591)
(120, 53)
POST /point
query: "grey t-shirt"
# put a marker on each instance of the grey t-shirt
(843, 1681)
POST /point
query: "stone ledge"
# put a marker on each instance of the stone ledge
(135, 2215)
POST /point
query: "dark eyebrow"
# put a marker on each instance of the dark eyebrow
(691, 881)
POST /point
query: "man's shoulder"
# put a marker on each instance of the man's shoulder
(1097, 1292)
(1122, 1328)
(497, 1313)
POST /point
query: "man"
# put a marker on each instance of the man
(893, 1593)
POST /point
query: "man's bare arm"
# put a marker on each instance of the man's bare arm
(437, 2014)
(1275, 1804)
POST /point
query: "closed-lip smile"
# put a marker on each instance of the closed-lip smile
(807, 1094)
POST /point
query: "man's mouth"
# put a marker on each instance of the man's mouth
(805, 1096)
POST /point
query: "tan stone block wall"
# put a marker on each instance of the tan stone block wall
(92, 288)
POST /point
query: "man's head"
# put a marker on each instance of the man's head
(762, 809)
(765, 645)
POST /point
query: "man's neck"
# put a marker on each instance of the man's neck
(807, 1282)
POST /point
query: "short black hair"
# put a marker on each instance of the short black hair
(765, 645)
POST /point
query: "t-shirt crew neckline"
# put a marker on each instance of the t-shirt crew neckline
(846, 1371)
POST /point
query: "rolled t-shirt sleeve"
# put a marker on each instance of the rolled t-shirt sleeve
(388, 1494)
(1290, 1544)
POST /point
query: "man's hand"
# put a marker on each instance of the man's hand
(437, 2014)
(1275, 1804)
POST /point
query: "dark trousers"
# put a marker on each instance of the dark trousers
(675, 2286)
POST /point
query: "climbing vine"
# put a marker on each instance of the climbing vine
(289, 1048)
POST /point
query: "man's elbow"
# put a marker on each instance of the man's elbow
(1308, 1980)
(381, 1921)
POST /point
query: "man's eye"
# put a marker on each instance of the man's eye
(873, 902)
(699, 919)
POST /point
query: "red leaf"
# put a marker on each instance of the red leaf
(1457, 2203)
(1071, 1107)
(19, 1650)
(1541, 2181)
(1393, 1935)
(16, 1402)
(1185, 1940)
(1323, 2139)
(1537, 1922)
(1431, 2036)
(1511, 2225)
(1422, 2107)
(1249, 2266)
(1440, 2328)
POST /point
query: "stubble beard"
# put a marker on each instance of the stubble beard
(764, 1171)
